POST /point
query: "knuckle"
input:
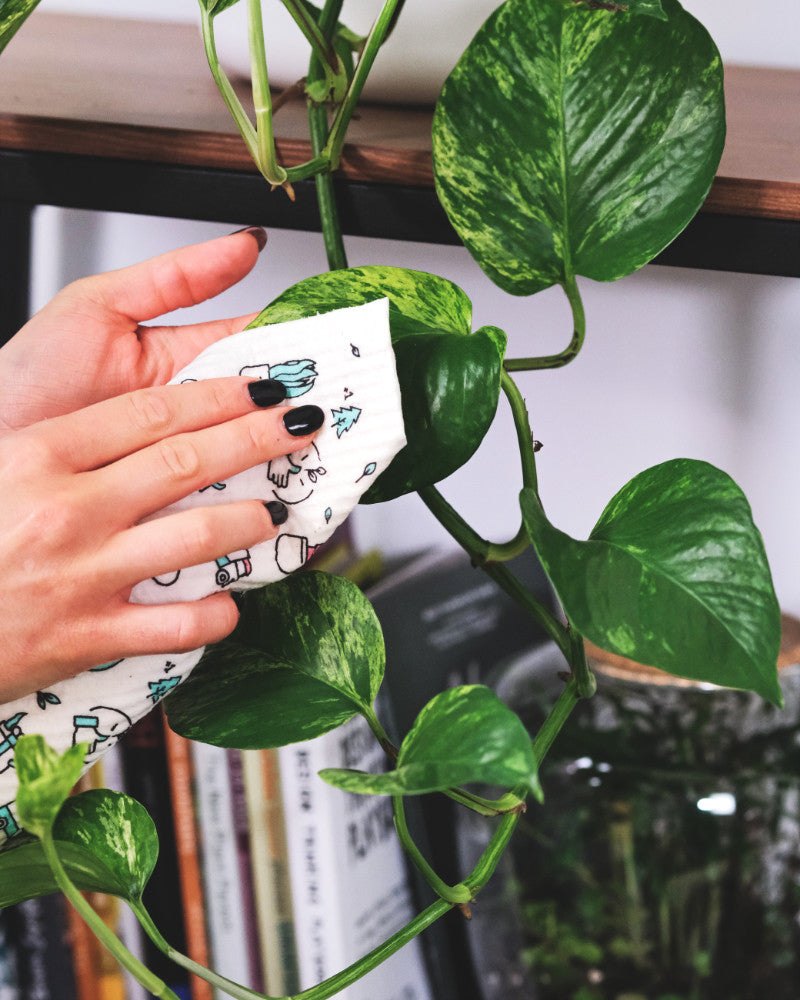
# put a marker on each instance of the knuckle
(150, 410)
(179, 459)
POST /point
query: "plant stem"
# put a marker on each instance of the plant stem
(572, 350)
(452, 893)
(375, 39)
(527, 447)
(316, 35)
(102, 931)
(318, 131)
(555, 720)
(266, 160)
(229, 95)
(478, 548)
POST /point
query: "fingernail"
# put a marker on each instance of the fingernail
(267, 392)
(303, 420)
(277, 511)
(258, 234)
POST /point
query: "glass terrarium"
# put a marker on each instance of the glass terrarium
(665, 861)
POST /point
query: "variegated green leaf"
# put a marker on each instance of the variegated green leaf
(418, 301)
(673, 575)
(463, 735)
(306, 655)
(46, 778)
(571, 140)
(106, 841)
(449, 376)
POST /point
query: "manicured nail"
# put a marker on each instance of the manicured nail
(303, 420)
(277, 511)
(267, 392)
(258, 234)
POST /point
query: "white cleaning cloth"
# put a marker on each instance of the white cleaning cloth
(341, 361)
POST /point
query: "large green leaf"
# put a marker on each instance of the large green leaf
(463, 735)
(306, 655)
(673, 575)
(449, 377)
(571, 140)
(13, 13)
(106, 841)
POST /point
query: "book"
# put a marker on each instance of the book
(187, 844)
(240, 828)
(145, 774)
(228, 929)
(270, 868)
(38, 932)
(8, 963)
(350, 885)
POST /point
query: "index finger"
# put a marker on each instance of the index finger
(114, 428)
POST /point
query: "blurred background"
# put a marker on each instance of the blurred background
(676, 362)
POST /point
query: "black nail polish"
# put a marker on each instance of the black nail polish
(277, 511)
(258, 234)
(303, 420)
(267, 392)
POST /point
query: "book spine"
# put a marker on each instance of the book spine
(38, 931)
(187, 843)
(146, 779)
(242, 840)
(226, 930)
(270, 871)
(312, 861)
(8, 964)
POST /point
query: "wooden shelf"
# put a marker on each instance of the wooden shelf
(141, 91)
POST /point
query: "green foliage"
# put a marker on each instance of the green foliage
(449, 376)
(463, 735)
(306, 655)
(45, 780)
(570, 140)
(673, 575)
(106, 841)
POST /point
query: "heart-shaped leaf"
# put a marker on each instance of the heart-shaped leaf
(306, 655)
(106, 841)
(673, 575)
(449, 377)
(463, 735)
(571, 140)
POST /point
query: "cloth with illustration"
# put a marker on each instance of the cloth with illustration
(343, 362)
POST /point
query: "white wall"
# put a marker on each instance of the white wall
(676, 362)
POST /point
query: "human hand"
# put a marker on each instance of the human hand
(73, 541)
(89, 344)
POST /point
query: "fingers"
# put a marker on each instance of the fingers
(176, 279)
(166, 544)
(175, 467)
(109, 430)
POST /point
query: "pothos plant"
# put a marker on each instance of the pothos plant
(573, 138)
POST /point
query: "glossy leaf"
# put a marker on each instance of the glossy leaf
(673, 575)
(45, 780)
(571, 140)
(106, 841)
(306, 655)
(463, 735)
(650, 8)
(13, 13)
(449, 377)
